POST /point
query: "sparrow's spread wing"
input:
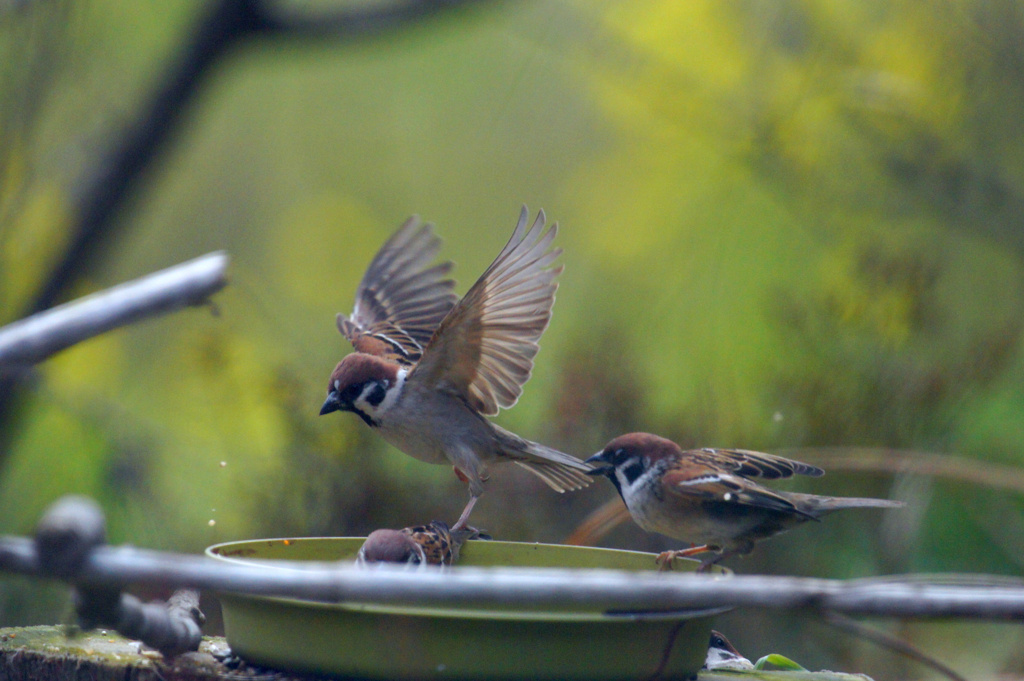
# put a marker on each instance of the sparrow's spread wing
(750, 464)
(483, 350)
(401, 299)
(688, 481)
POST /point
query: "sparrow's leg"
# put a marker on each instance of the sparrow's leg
(474, 477)
(461, 522)
(664, 559)
(484, 476)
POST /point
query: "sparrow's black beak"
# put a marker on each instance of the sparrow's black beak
(601, 465)
(332, 403)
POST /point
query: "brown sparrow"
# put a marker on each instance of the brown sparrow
(708, 496)
(427, 370)
(430, 544)
(723, 655)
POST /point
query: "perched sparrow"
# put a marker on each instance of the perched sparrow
(722, 655)
(707, 496)
(391, 546)
(427, 370)
(430, 544)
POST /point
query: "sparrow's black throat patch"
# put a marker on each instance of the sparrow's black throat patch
(612, 462)
(364, 416)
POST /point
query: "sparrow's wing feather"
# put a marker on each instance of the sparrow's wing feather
(402, 298)
(483, 350)
(692, 480)
(434, 540)
(750, 464)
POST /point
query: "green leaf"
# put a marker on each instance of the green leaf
(778, 661)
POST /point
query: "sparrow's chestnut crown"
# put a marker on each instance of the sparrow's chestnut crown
(632, 445)
(358, 375)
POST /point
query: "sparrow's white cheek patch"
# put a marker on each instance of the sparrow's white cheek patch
(337, 384)
(633, 477)
(391, 396)
(371, 396)
(631, 469)
(723, 659)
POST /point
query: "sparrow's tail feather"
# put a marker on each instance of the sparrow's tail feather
(560, 471)
(557, 476)
(816, 505)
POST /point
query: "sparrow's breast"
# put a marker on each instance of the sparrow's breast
(437, 428)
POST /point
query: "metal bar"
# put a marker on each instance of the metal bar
(35, 338)
(978, 597)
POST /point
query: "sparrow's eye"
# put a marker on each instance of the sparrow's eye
(717, 642)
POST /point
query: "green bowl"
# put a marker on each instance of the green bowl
(373, 640)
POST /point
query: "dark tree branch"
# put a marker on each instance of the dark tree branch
(884, 460)
(892, 643)
(348, 23)
(113, 178)
(36, 338)
(226, 23)
(104, 191)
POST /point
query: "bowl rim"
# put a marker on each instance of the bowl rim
(212, 550)
(522, 615)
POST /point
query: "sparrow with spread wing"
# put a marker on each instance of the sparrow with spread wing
(709, 496)
(427, 370)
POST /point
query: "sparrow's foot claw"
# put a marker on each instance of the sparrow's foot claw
(664, 560)
(469, 532)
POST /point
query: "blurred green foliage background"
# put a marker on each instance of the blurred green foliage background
(786, 225)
